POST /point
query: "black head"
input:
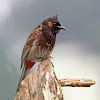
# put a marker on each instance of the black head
(53, 24)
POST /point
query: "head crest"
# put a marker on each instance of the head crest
(55, 17)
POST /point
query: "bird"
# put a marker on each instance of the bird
(39, 44)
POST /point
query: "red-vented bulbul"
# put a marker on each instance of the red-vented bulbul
(39, 44)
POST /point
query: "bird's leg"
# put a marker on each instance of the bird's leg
(48, 57)
(43, 58)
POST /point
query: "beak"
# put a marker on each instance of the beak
(61, 27)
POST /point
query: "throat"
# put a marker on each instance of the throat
(56, 31)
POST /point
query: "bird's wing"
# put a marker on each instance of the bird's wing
(27, 46)
(29, 43)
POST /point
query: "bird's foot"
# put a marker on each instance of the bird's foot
(46, 57)
(49, 57)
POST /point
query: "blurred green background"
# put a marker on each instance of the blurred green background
(77, 50)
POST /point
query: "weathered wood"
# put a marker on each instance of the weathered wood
(42, 84)
(76, 82)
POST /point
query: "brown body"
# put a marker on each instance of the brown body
(39, 44)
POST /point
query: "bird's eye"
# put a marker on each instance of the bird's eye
(54, 23)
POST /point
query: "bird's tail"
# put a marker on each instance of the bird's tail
(25, 72)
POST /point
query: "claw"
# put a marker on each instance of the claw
(49, 57)
(43, 58)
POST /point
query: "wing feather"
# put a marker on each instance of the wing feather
(29, 43)
(27, 47)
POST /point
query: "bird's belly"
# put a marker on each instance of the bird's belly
(39, 53)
